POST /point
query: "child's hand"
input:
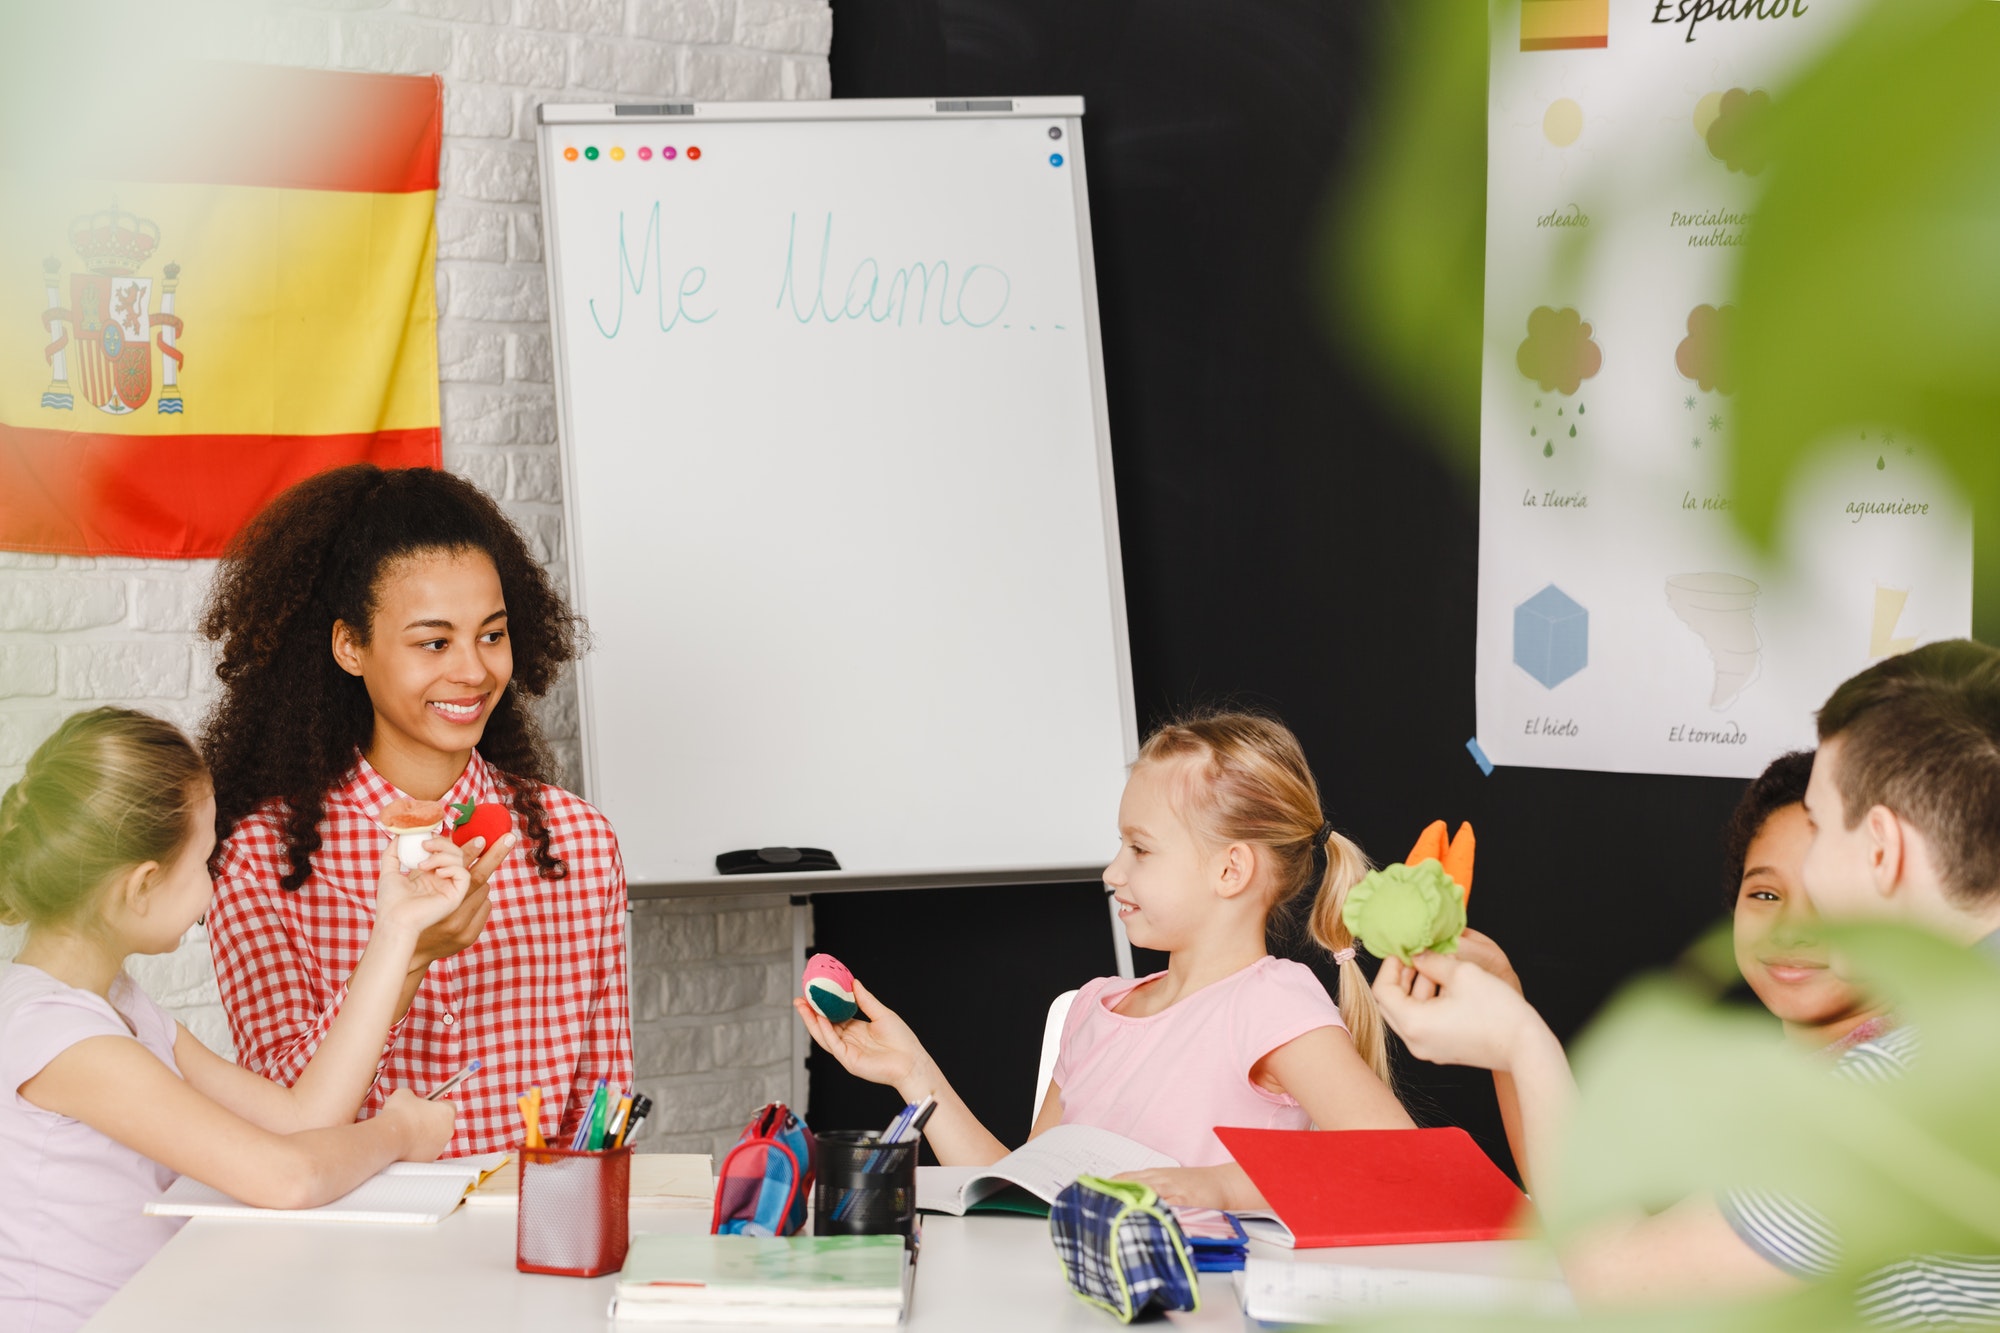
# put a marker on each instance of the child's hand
(882, 1050)
(1481, 950)
(1453, 1012)
(1227, 1186)
(426, 1127)
(426, 896)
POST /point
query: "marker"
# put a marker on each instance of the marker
(580, 1141)
(453, 1081)
(600, 1106)
(531, 1115)
(616, 1121)
(642, 1106)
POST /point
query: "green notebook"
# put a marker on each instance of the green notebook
(816, 1271)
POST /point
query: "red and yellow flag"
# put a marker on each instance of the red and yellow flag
(229, 291)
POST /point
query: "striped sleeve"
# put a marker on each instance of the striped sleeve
(1790, 1235)
(1932, 1290)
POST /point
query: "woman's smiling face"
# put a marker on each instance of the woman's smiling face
(1776, 929)
(437, 658)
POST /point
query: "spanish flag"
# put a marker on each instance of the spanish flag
(229, 290)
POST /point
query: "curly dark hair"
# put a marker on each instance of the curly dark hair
(1782, 783)
(314, 556)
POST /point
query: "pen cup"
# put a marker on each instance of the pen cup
(572, 1215)
(865, 1187)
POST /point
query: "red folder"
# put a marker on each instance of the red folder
(1379, 1186)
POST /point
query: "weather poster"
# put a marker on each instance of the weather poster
(1625, 623)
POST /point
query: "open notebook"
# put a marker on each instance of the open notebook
(412, 1193)
(1043, 1167)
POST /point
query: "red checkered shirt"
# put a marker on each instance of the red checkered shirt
(541, 996)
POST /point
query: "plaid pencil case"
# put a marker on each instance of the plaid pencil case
(1121, 1248)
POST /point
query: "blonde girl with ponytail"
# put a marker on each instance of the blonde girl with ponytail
(104, 1098)
(1219, 827)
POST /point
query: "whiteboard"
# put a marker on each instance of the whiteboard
(837, 483)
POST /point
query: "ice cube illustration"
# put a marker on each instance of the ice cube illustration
(1720, 609)
(1551, 636)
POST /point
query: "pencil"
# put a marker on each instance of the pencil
(452, 1082)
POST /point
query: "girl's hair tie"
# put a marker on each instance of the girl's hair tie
(1325, 832)
(1343, 955)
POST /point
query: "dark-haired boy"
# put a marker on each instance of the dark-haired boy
(1905, 805)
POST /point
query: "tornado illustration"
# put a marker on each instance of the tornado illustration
(1719, 608)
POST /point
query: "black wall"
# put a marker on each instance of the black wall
(1291, 540)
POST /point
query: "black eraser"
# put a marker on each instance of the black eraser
(775, 860)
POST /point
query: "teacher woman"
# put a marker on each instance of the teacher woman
(378, 633)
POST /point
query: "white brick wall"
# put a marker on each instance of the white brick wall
(711, 977)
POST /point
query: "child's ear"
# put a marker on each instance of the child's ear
(132, 891)
(346, 648)
(1888, 851)
(1239, 868)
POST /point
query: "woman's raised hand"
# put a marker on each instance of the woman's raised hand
(882, 1050)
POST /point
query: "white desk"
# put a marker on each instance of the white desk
(982, 1274)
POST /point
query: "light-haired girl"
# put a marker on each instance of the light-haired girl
(1219, 827)
(104, 1098)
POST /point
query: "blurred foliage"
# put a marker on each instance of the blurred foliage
(1870, 285)
(1869, 288)
(1680, 1095)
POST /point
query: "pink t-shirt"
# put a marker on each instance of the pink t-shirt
(1169, 1079)
(71, 1231)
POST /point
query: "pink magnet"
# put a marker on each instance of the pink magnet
(645, 155)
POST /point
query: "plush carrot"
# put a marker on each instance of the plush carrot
(1458, 859)
(1455, 856)
(1430, 845)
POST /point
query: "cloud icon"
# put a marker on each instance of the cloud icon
(1558, 353)
(1736, 137)
(1703, 356)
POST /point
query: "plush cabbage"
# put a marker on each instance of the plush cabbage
(1401, 910)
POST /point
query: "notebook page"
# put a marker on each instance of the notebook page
(407, 1199)
(1043, 1166)
(1278, 1291)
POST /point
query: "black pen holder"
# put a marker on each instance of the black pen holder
(865, 1187)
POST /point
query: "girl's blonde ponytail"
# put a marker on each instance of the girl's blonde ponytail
(1345, 865)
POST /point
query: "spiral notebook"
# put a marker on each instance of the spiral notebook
(403, 1193)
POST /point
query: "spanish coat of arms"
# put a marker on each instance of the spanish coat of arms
(103, 340)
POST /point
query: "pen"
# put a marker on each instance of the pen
(642, 1106)
(915, 1128)
(452, 1082)
(896, 1125)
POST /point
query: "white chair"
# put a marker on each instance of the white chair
(1051, 1043)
